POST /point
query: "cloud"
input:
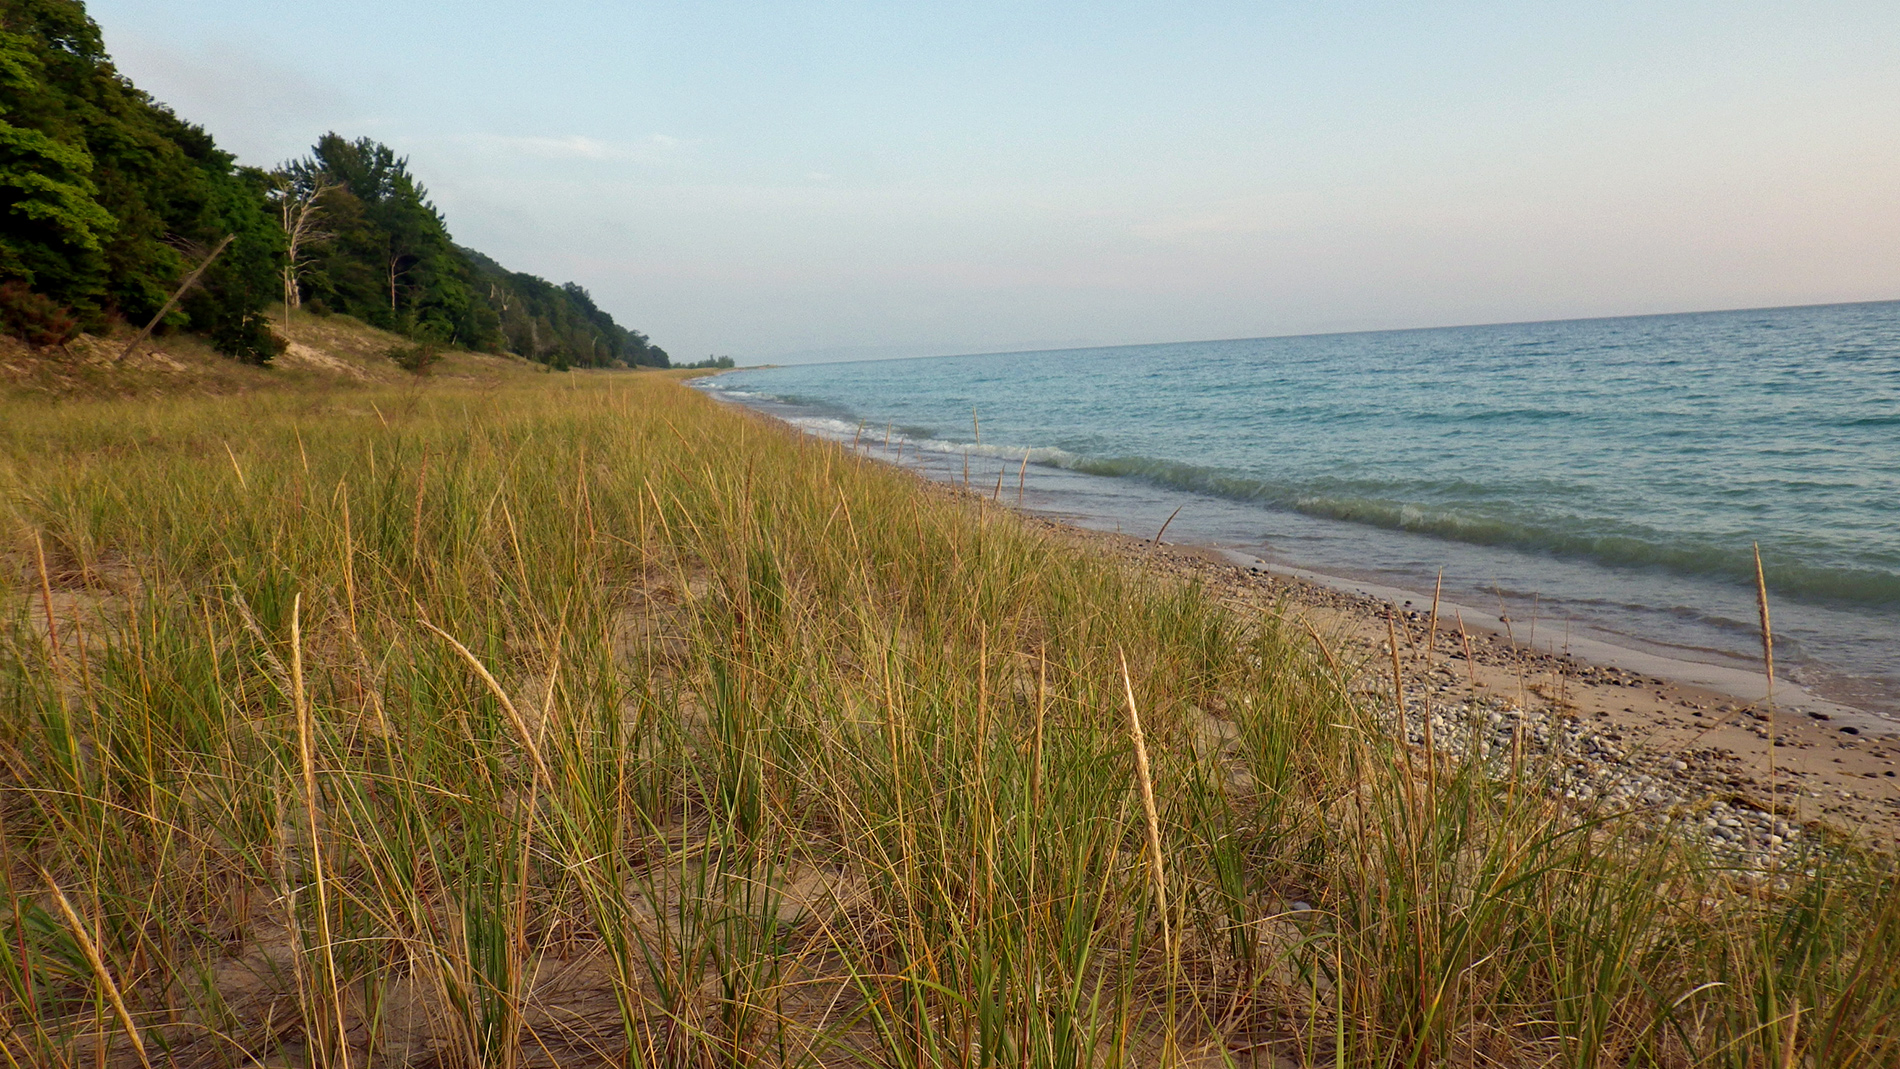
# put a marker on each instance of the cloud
(652, 149)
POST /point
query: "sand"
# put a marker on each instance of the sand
(1691, 733)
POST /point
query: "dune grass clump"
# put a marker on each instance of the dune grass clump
(585, 722)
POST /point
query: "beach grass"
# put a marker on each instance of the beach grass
(577, 720)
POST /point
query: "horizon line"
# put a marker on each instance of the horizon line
(771, 362)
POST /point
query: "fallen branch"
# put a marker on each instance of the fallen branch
(190, 281)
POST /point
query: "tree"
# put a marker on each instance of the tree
(54, 223)
(299, 201)
(385, 228)
(106, 192)
(560, 326)
(231, 306)
(110, 203)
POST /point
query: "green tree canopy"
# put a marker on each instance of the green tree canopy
(389, 260)
(108, 201)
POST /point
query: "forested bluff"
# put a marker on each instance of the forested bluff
(109, 202)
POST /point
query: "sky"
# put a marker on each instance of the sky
(835, 180)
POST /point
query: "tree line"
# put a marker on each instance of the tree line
(109, 201)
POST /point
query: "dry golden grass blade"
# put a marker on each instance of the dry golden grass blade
(1146, 780)
(1767, 629)
(515, 718)
(1471, 663)
(307, 759)
(46, 596)
(99, 971)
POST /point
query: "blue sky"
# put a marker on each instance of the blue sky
(816, 180)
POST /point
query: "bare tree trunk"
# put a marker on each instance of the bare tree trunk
(287, 204)
(300, 213)
(190, 280)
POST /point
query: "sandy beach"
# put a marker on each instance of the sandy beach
(1695, 755)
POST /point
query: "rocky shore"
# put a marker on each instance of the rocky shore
(1756, 784)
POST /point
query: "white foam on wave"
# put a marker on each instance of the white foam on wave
(826, 426)
(1036, 454)
(873, 438)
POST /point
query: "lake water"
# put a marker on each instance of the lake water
(1610, 475)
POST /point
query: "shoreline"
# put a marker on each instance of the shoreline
(1679, 738)
(1729, 683)
(1686, 745)
(1672, 628)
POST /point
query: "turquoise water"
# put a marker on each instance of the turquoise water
(1616, 471)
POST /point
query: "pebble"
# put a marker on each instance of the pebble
(1687, 794)
(1684, 793)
